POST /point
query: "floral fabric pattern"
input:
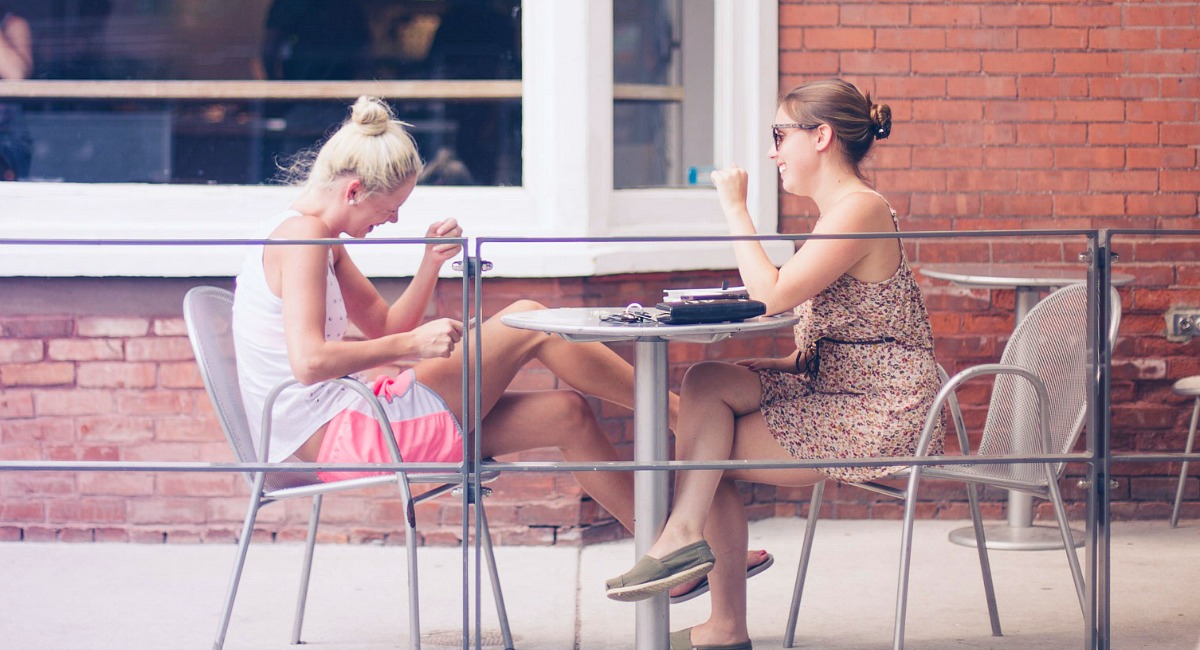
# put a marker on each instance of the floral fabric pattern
(876, 381)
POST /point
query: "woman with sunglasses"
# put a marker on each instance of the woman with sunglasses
(293, 306)
(859, 383)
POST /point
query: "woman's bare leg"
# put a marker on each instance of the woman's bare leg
(591, 368)
(523, 420)
(727, 534)
(720, 420)
(714, 395)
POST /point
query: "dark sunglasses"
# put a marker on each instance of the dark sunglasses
(779, 135)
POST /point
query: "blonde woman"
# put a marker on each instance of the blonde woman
(294, 303)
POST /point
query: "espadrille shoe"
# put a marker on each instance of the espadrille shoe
(651, 576)
(682, 640)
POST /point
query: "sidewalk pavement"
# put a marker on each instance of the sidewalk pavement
(62, 596)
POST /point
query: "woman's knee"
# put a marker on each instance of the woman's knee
(718, 383)
(522, 305)
(574, 420)
(705, 378)
(514, 308)
(573, 407)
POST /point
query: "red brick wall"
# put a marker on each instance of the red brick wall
(1056, 114)
(111, 377)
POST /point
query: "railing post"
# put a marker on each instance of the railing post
(1099, 499)
(472, 268)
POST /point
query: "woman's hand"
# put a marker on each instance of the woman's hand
(436, 338)
(782, 364)
(731, 186)
(440, 253)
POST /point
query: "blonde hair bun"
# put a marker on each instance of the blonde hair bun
(371, 145)
(371, 115)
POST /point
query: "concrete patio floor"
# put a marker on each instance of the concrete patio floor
(129, 596)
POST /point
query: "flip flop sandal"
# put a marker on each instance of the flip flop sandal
(651, 576)
(701, 587)
(682, 640)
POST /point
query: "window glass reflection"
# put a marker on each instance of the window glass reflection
(662, 131)
(197, 140)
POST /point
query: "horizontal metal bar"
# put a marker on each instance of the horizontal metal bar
(542, 466)
(462, 241)
(915, 234)
(1115, 232)
(1154, 458)
(539, 466)
(931, 234)
(186, 466)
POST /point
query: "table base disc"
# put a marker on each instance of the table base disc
(1002, 537)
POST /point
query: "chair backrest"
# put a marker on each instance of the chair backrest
(1051, 341)
(208, 313)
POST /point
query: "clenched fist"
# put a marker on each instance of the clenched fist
(442, 252)
(436, 338)
(731, 184)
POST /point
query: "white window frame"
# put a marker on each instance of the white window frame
(567, 102)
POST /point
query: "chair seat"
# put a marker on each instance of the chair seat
(1188, 386)
(1027, 478)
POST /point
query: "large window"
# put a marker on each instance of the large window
(164, 119)
(663, 92)
(230, 133)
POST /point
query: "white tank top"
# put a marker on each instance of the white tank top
(262, 359)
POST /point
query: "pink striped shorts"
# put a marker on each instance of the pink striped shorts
(424, 429)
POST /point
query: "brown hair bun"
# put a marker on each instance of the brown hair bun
(881, 119)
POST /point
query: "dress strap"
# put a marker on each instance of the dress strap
(895, 219)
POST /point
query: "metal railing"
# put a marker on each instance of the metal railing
(1098, 456)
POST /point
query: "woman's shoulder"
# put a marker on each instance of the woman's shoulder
(296, 225)
(859, 211)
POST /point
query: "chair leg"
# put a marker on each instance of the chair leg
(238, 564)
(1191, 440)
(414, 599)
(910, 513)
(814, 510)
(985, 564)
(490, 555)
(1064, 527)
(306, 570)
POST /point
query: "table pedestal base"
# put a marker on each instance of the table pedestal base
(1002, 537)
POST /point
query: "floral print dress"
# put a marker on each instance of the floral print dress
(870, 381)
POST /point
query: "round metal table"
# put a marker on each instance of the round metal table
(1029, 282)
(651, 387)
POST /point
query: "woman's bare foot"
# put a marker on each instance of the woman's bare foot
(754, 558)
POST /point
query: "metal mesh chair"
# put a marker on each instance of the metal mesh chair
(1189, 386)
(208, 312)
(1038, 405)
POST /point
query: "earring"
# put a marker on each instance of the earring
(352, 202)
